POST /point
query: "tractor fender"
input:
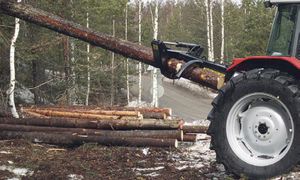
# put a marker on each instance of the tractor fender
(291, 65)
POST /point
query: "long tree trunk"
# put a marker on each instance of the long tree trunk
(112, 87)
(67, 139)
(154, 73)
(12, 84)
(122, 47)
(140, 64)
(104, 124)
(88, 65)
(156, 134)
(127, 61)
(222, 32)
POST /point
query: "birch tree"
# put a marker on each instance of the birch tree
(154, 73)
(127, 60)
(112, 88)
(88, 65)
(12, 83)
(140, 42)
(73, 78)
(222, 32)
(211, 30)
(208, 32)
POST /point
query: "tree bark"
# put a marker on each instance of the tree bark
(64, 114)
(12, 82)
(119, 124)
(88, 89)
(222, 32)
(167, 111)
(189, 138)
(112, 87)
(66, 139)
(195, 129)
(48, 111)
(154, 72)
(140, 64)
(156, 134)
(122, 47)
(127, 61)
(66, 50)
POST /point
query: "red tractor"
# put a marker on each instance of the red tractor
(255, 120)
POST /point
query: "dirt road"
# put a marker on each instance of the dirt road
(184, 103)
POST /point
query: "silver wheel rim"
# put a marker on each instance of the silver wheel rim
(260, 129)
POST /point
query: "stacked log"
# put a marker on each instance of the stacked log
(103, 125)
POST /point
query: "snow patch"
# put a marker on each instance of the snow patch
(5, 152)
(18, 172)
(153, 174)
(136, 104)
(145, 151)
(10, 162)
(75, 177)
(149, 169)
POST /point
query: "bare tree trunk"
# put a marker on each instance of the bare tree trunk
(12, 84)
(127, 62)
(73, 89)
(222, 32)
(208, 30)
(66, 50)
(154, 73)
(88, 65)
(140, 64)
(112, 87)
(211, 30)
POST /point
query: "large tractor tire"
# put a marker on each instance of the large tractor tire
(255, 124)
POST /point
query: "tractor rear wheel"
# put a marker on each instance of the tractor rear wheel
(255, 125)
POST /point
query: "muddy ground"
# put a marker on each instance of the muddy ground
(20, 159)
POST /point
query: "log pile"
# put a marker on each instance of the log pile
(122, 126)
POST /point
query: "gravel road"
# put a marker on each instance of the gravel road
(186, 104)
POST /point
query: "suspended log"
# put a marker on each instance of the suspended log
(128, 49)
(195, 129)
(156, 134)
(119, 124)
(97, 112)
(189, 138)
(66, 139)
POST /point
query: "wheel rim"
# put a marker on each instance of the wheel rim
(260, 129)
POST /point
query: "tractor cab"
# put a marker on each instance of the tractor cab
(284, 38)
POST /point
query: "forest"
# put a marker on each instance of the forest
(56, 69)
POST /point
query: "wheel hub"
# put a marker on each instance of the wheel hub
(263, 128)
(259, 129)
